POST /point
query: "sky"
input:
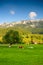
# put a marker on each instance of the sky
(17, 10)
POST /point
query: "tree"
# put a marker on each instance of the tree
(12, 37)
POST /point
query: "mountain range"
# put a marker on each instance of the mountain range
(34, 26)
(28, 23)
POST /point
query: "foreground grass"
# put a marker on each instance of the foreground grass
(24, 56)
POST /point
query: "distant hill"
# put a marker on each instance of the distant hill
(34, 26)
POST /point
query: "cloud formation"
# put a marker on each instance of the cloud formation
(32, 15)
(12, 12)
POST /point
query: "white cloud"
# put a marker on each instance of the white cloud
(32, 15)
(12, 12)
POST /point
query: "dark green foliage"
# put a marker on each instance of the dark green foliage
(1, 42)
(12, 37)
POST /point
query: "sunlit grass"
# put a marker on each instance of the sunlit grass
(21, 56)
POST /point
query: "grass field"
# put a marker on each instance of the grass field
(21, 56)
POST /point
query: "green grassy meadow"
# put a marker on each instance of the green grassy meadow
(21, 56)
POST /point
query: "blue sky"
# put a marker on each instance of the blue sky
(16, 10)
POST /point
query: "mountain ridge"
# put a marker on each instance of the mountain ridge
(31, 23)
